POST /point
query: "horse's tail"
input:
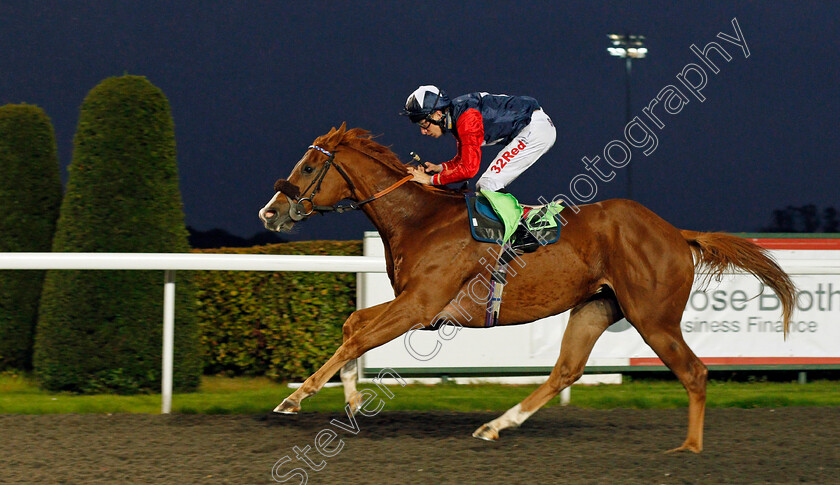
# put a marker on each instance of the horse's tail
(717, 252)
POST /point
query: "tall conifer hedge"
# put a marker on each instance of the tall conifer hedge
(30, 194)
(100, 331)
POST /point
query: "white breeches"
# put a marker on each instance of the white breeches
(528, 146)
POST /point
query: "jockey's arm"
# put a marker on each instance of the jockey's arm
(470, 129)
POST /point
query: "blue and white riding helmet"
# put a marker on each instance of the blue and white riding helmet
(424, 101)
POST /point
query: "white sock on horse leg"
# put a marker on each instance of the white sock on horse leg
(349, 376)
(512, 418)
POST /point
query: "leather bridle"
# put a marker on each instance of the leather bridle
(302, 206)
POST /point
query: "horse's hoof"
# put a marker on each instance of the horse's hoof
(355, 403)
(686, 447)
(486, 433)
(287, 407)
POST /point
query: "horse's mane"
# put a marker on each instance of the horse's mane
(363, 141)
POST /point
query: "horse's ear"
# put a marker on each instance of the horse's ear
(338, 131)
(335, 136)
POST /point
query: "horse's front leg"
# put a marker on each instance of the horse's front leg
(349, 372)
(395, 319)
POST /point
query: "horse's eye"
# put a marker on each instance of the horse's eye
(308, 169)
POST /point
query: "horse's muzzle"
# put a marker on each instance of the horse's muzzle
(275, 217)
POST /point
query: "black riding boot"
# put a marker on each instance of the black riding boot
(523, 241)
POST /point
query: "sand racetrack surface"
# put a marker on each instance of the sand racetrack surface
(557, 445)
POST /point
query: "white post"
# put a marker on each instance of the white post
(168, 340)
(566, 396)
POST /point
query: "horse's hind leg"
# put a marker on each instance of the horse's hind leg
(665, 338)
(586, 323)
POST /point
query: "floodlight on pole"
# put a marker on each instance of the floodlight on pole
(628, 47)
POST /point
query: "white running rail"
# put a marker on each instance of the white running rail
(170, 262)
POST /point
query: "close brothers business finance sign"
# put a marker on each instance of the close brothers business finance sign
(736, 321)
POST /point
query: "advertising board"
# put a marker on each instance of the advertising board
(732, 322)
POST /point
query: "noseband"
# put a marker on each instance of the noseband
(301, 207)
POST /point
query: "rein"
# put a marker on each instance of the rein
(298, 210)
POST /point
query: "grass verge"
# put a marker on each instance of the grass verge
(243, 395)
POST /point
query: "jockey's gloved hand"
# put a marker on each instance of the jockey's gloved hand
(419, 175)
(428, 167)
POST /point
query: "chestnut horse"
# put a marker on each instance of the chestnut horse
(614, 259)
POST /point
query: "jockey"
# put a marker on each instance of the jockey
(480, 119)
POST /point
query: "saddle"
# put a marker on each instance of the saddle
(527, 227)
(499, 218)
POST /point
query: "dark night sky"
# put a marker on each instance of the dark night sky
(251, 84)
